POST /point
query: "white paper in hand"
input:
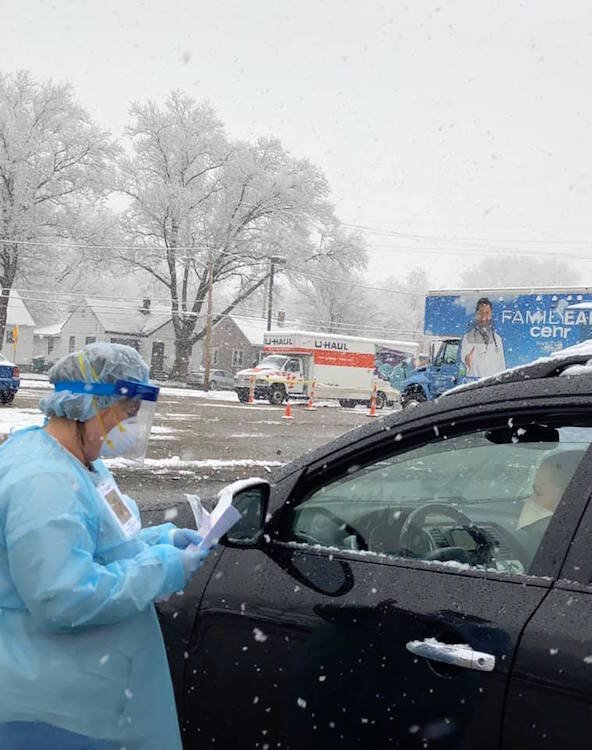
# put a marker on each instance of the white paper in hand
(212, 526)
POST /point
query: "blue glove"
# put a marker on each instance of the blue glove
(183, 537)
(192, 559)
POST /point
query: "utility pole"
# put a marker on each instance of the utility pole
(279, 260)
(208, 341)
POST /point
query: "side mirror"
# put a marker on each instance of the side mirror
(250, 498)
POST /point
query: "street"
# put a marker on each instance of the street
(202, 441)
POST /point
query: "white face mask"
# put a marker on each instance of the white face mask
(122, 439)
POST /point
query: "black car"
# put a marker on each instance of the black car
(410, 585)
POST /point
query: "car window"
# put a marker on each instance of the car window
(478, 499)
(451, 354)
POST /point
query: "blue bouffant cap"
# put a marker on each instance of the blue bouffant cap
(97, 363)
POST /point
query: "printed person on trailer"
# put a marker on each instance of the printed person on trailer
(482, 349)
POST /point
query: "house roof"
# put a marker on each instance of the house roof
(54, 329)
(251, 328)
(126, 318)
(17, 313)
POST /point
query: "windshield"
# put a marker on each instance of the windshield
(273, 363)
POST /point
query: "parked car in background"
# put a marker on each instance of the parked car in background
(423, 581)
(9, 380)
(220, 380)
(40, 364)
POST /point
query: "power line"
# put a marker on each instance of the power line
(107, 305)
(372, 246)
(320, 277)
(443, 238)
(483, 252)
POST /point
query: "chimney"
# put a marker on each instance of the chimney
(146, 305)
(281, 318)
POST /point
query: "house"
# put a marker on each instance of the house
(237, 342)
(150, 331)
(18, 335)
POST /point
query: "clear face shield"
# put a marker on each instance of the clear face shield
(134, 411)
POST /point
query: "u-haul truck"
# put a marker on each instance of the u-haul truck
(341, 367)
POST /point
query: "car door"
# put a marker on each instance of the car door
(294, 377)
(358, 624)
(550, 696)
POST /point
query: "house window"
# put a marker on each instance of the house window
(215, 356)
(237, 357)
(134, 343)
(90, 340)
(72, 344)
(50, 343)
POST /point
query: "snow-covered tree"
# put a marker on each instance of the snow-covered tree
(401, 308)
(202, 205)
(52, 164)
(328, 289)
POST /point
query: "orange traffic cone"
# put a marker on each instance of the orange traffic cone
(372, 412)
(310, 404)
(288, 412)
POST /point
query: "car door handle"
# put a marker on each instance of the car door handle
(457, 654)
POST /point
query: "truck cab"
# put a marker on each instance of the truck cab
(445, 371)
(276, 378)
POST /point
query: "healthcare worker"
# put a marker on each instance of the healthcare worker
(82, 659)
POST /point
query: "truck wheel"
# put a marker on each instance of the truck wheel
(7, 397)
(243, 395)
(276, 395)
(381, 400)
(412, 397)
(213, 385)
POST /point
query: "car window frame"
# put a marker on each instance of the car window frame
(562, 527)
(577, 564)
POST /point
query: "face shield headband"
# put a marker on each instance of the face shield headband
(129, 438)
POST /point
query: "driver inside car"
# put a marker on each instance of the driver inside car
(551, 478)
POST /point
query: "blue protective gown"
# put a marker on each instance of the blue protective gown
(80, 644)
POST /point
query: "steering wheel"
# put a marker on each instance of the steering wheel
(343, 526)
(417, 518)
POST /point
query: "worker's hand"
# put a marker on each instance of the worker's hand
(181, 538)
(193, 559)
(469, 358)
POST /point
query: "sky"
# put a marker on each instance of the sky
(440, 125)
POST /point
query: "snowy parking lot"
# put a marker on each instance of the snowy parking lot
(201, 441)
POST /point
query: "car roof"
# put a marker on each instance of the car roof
(549, 379)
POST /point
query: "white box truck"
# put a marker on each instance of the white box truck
(342, 367)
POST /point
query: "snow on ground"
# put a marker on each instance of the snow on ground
(30, 382)
(12, 418)
(175, 462)
(257, 405)
(193, 393)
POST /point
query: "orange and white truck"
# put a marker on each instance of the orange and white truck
(337, 367)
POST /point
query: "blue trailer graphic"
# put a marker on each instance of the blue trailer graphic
(524, 325)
